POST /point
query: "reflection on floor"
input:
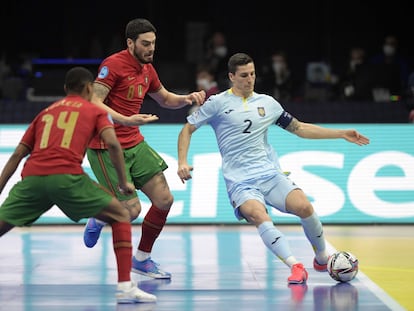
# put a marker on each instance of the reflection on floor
(214, 268)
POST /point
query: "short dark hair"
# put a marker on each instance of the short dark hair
(76, 78)
(137, 26)
(238, 59)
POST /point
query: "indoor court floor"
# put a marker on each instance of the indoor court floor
(214, 268)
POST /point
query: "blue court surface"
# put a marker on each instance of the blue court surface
(213, 268)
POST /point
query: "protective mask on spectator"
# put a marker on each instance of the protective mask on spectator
(354, 63)
(278, 67)
(203, 83)
(389, 50)
(221, 51)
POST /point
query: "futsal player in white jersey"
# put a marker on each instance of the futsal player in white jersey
(240, 118)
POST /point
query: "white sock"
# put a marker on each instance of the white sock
(276, 242)
(141, 256)
(124, 285)
(312, 227)
(290, 261)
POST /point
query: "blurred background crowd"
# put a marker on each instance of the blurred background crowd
(309, 55)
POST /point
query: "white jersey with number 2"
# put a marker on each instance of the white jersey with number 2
(241, 128)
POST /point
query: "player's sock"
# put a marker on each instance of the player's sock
(152, 225)
(141, 256)
(121, 237)
(312, 227)
(275, 241)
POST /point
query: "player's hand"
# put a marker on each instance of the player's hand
(126, 188)
(196, 98)
(140, 119)
(356, 138)
(184, 172)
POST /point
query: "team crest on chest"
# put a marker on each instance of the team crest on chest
(146, 79)
(261, 111)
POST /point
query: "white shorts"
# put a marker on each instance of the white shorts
(269, 190)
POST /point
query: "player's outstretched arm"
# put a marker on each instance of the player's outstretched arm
(313, 131)
(140, 119)
(19, 153)
(355, 137)
(170, 100)
(100, 92)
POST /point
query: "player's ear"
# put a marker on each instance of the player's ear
(88, 90)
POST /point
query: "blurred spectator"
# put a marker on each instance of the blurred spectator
(276, 78)
(355, 82)
(15, 72)
(391, 70)
(320, 82)
(216, 57)
(205, 80)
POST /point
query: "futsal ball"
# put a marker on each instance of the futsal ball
(342, 266)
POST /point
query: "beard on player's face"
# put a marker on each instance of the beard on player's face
(141, 57)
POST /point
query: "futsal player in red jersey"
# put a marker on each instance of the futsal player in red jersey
(55, 143)
(124, 79)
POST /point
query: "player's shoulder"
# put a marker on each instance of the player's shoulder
(263, 96)
(214, 98)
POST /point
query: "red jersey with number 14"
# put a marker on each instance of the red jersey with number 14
(129, 82)
(59, 135)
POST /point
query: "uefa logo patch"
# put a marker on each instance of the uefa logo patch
(103, 72)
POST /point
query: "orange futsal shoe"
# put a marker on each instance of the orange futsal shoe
(318, 267)
(299, 274)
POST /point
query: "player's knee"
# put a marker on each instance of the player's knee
(164, 202)
(302, 209)
(256, 216)
(122, 216)
(133, 214)
(132, 207)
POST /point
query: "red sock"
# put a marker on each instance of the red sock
(152, 225)
(121, 238)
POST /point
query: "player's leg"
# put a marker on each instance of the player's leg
(287, 197)
(25, 203)
(5, 227)
(119, 219)
(148, 176)
(298, 204)
(106, 175)
(79, 197)
(254, 211)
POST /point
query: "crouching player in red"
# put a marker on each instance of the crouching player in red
(55, 143)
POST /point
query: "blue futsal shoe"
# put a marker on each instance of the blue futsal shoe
(149, 268)
(92, 232)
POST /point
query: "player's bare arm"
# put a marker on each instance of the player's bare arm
(117, 159)
(313, 131)
(19, 153)
(167, 99)
(184, 138)
(100, 92)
